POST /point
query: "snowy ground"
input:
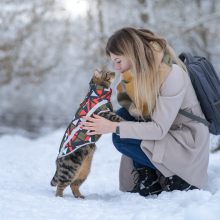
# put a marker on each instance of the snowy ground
(27, 167)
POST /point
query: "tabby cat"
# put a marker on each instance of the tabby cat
(74, 168)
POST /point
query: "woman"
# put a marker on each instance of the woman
(153, 88)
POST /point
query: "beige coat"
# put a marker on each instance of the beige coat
(174, 143)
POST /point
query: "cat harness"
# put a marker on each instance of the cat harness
(97, 100)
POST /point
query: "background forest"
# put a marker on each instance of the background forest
(50, 48)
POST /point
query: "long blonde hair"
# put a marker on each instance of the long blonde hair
(135, 44)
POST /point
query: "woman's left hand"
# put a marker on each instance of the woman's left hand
(98, 125)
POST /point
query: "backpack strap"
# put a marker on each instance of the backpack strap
(187, 56)
(194, 117)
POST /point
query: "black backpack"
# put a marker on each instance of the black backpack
(207, 87)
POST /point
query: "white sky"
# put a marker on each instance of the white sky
(76, 7)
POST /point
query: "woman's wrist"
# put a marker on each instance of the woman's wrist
(114, 126)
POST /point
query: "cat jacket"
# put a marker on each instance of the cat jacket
(97, 100)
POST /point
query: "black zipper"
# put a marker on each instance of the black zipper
(201, 90)
(213, 70)
(208, 79)
(203, 58)
(194, 74)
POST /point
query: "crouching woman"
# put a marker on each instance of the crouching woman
(155, 137)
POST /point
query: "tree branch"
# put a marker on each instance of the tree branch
(200, 21)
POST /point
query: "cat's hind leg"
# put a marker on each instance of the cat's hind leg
(60, 189)
(66, 172)
(82, 175)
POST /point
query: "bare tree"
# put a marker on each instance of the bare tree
(47, 58)
(30, 38)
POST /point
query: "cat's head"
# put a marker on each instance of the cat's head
(103, 77)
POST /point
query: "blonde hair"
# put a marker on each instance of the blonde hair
(135, 44)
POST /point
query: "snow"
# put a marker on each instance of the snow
(27, 166)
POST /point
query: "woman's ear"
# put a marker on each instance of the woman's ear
(97, 74)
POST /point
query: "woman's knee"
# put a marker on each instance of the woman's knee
(116, 140)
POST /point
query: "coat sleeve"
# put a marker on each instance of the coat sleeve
(172, 93)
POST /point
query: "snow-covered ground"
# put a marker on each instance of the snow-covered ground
(27, 166)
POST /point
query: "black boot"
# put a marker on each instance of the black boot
(176, 183)
(147, 182)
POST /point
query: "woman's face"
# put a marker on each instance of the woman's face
(122, 63)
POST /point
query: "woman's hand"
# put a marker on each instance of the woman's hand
(98, 125)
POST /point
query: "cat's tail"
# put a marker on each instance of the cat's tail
(54, 181)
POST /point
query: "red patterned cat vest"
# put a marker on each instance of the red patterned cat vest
(97, 100)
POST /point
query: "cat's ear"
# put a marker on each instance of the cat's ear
(97, 73)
